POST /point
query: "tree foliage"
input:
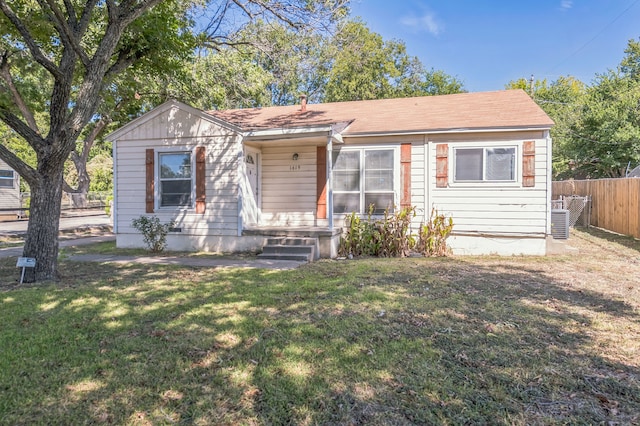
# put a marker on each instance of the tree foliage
(79, 65)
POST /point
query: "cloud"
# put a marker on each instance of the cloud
(426, 22)
(566, 4)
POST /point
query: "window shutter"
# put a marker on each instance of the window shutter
(442, 165)
(150, 181)
(200, 179)
(321, 182)
(529, 164)
(405, 174)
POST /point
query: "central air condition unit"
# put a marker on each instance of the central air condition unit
(560, 224)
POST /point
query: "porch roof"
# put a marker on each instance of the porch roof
(504, 109)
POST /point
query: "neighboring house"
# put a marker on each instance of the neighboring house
(230, 179)
(9, 192)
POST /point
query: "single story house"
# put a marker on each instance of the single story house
(10, 206)
(232, 179)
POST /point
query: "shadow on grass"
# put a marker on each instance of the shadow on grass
(624, 240)
(412, 341)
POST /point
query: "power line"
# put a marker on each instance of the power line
(593, 38)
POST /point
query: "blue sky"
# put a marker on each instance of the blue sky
(487, 43)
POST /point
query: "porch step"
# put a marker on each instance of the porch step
(283, 248)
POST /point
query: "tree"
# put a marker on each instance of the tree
(606, 137)
(562, 100)
(73, 51)
(365, 66)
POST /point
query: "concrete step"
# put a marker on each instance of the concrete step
(288, 241)
(302, 249)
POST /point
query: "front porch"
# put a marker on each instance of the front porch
(326, 239)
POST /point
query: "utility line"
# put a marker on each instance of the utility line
(593, 38)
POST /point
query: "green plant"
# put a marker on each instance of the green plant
(107, 206)
(432, 237)
(386, 237)
(153, 232)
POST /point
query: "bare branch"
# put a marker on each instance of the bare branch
(29, 41)
(66, 34)
(5, 74)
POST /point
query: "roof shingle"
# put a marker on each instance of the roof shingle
(468, 111)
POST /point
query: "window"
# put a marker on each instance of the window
(363, 177)
(175, 179)
(6, 178)
(485, 164)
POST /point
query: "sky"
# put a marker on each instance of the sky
(487, 43)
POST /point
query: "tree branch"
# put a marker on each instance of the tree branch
(34, 139)
(5, 74)
(66, 34)
(29, 41)
(23, 169)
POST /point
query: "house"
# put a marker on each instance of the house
(10, 206)
(232, 179)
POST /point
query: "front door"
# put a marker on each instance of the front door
(251, 159)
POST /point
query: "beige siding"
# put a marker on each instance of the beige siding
(9, 196)
(175, 130)
(289, 186)
(490, 208)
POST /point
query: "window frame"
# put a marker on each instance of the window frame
(516, 180)
(362, 150)
(11, 179)
(159, 179)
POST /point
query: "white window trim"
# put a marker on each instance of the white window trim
(12, 179)
(157, 190)
(516, 182)
(396, 175)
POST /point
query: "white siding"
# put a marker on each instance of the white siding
(494, 210)
(10, 196)
(178, 130)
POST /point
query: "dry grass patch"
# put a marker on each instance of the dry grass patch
(473, 340)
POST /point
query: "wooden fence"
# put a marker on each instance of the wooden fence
(615, 202)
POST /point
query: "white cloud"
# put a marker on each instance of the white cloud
(566, 4)
(426, 22)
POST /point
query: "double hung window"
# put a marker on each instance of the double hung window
(175, 179)
(361, 178)
(6, 178)
(485, 164)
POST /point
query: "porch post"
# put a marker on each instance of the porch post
(330, 181)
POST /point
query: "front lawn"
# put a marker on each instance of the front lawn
(463, 340)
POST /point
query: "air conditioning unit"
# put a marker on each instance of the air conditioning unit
(560, 224)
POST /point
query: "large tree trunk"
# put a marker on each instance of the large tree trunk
(44, 224)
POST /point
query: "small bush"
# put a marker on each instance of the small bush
(153, 232)
(386, 237)
(432, 237)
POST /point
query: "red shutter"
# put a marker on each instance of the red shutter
(321, 182)
(442, 165)
(529, 164)
(405, 174)
(150, 181)
(200, 179)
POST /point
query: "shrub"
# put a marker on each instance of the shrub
(386, 237)
(153, 232)
(432, 237)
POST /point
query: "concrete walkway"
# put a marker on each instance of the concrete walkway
(204, 261)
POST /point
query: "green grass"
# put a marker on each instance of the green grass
(372, 341)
